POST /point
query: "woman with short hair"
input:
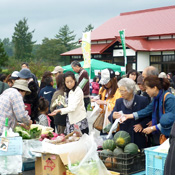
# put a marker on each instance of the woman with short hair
(129, 103)
(156, 88)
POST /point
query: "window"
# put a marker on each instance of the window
(155, 58)
(76, 57)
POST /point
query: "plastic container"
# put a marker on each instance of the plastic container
(155, 161)
(26, 166)
(124, 163)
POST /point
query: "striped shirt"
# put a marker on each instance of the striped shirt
(12, 106)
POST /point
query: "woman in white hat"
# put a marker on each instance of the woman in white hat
(12, 106)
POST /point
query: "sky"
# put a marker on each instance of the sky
(46, 17)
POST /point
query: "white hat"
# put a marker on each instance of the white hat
(106, 76)
(14, 75)
(22, 85)
(57, 69)
(162, 75)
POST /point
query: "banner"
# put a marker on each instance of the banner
(122, 37)
(86, 49)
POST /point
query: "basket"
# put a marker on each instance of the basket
(155, 161)
(124, 163)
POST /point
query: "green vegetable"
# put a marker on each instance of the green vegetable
(35, 133)
(28, 134)
(107, 128)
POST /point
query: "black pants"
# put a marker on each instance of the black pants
(86, 102)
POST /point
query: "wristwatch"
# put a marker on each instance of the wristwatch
(152, 128)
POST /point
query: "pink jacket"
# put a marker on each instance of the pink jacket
(95, 87)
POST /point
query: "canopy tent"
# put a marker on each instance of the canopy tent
(97, 66)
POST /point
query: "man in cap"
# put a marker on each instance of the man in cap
(83, 75)
(25, 65)
(12, 106)
(57, 70)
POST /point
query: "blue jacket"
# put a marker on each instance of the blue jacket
(169, 106)
(47, 92)
(140, 102)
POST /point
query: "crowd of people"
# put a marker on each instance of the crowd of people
(146, 100)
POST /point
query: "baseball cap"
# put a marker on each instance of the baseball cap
(22, 85)
(166, 122)
(25, 73)
(57, 69)
(14, 75)
(106, 76)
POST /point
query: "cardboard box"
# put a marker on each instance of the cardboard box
(38, 166)
(52, 164)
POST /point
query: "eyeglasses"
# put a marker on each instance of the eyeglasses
(122, 91)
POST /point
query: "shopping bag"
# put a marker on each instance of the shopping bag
(107, 113)
(91, 164)
(162, 138)
(98, 124)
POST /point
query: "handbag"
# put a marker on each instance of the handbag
(98, 124)
(162, 137)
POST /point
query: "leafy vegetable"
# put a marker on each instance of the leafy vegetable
(28, 134)
(35, 132)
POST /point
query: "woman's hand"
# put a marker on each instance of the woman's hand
(54, 112)
(116, 115)
(24, 125)
(149, 124)
(101, 102)
(138, 128)
(126, 117)
(149, 130)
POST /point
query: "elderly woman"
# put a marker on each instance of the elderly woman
(163, 103)
(129, 103)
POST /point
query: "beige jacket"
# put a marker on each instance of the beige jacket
(75, 110)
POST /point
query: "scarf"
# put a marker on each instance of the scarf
(128, 104)
(158, 108)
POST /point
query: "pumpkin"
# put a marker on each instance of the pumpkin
(118, 151)
(107, 128)
(109, 144)
(107, 152)
(131, 148)
(110, 162)
(122, 138)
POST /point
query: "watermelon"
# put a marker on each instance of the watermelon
(131, 148)
(109, 144)
(118, 151)
(122, 138)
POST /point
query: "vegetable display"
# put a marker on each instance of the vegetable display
(28, 134)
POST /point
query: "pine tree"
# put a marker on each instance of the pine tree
(66, 37)
(3, 56)
(22, 40)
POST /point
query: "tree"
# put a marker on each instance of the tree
(66, 37)
(50, 51)
(3, 56)
(88, 28)
(8, 46)
(22, 40)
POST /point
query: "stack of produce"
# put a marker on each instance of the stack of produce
(117, 152)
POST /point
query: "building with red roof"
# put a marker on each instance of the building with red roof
(149, 37)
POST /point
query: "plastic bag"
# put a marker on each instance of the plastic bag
(93, 116)
(107, 113)
(10, 164)
(115, 124)
(91, 163)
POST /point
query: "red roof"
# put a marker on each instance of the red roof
(151, 22)
(151, 45)
(95, 49)
(138, 25)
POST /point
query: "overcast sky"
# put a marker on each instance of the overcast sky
(47, 16)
